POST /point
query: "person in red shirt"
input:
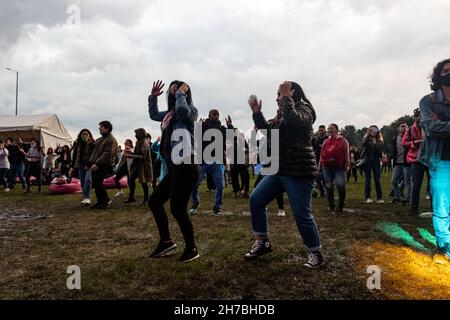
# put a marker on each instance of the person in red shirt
(412, 141)
(335, 163)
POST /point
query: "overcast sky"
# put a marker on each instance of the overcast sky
(360, 62)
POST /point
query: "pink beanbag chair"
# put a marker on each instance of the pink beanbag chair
(109, 183)
(66, 188)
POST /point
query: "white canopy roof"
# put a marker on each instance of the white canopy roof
(46, 128)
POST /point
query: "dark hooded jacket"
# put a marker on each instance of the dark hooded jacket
(296, 154)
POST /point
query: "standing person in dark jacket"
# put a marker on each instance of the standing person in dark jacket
(64, 160)
(215, 168)
(240, 169)
(435, 153)
(181, 177)
(296, 173)
(17, 162)
(141, 168)
(102, 162)
(372, 145)
(82, 150)
(317, 145)
(401, 167)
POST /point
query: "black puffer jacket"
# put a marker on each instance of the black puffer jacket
(296, 154)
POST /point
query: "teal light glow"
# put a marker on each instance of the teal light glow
(394, 231)
(427, 236)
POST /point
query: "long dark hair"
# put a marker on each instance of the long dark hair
(171, 98)
(435, 78)
(81, 131)
(299, 94)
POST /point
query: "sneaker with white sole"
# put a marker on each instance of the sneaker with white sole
(189, 255)
(86, 201)
(164, 249)
(7, 190)
(118, 194)
(380, 201)
(259, 248)
(281, 213)
(315, 260)
(369, 200)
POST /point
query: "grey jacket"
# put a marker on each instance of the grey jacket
(185, 114)
(436, 130)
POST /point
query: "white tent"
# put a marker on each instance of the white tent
(45, 128)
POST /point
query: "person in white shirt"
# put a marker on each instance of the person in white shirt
(4, 165)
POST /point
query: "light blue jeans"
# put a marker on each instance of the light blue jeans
(299, 193)
(86, 181)
(440, 190)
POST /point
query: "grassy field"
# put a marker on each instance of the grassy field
(112, 249)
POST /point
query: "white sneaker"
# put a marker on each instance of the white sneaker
(109, 202)
(281, 213)
(119, 194)
(380, 201)
(7, 190)
(369, 200)
(426, 215)
(86, 201)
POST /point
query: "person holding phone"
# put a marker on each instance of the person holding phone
(182, 175)
(296, 174)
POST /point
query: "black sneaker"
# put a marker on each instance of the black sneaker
(130, 200)
(189, 255)
(259, 248)
(216, 212)
(99, 206)
(340, 210)
(193, 210)
(315, 260)
(164, 249)
(395, 201)
(332, 209)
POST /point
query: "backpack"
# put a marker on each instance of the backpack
(333, 153)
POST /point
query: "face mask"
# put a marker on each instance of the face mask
(445, 80)
(374, 131)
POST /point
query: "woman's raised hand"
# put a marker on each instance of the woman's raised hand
(255, 105)
(184, 88)
(157, 88)
(285, 90)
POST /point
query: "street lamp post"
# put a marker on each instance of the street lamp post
(17, 86)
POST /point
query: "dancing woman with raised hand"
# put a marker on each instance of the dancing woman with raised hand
(296, 174)
(178, 183)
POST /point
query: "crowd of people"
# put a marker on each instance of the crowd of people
(308, 164)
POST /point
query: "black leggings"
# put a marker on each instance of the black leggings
(242, 170)
(132, 185)
(280, 201)
(177, 186)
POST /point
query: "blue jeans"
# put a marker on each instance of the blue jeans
(440, 190)
(299, 193)
(17, 170)
(86, 180)
(373, 165)
(338, 177)
(217, 174)
(405, 172)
